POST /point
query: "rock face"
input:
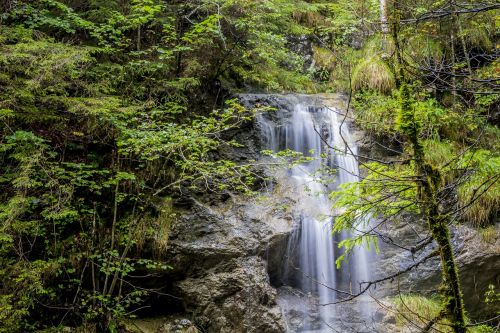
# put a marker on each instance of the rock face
(479, 262)
(219, 257)
(234, 297)
(226, 250)
(479, 266)
(478, 258)
(228, 253)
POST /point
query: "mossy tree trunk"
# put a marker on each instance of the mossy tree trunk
(429, 182)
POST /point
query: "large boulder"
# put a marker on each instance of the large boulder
(220, 255)
(233, 297)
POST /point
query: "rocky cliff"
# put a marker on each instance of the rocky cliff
(227, 253)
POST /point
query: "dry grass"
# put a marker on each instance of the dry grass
(479, 207)
(414, 310)
(488, 234)
(163, 226)
(373, 73)
(309, 18)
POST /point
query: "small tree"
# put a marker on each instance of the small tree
(421, 183)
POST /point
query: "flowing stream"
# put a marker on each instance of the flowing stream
(310, 277)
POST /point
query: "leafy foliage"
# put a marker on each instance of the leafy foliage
(438, 120)
(110, 109)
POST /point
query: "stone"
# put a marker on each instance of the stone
(227, 254)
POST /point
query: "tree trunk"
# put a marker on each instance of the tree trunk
(383, 17)
(453, 67)
(438, 225)
(138, 44)
(429, 182)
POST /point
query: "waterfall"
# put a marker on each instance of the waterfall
(315, 130)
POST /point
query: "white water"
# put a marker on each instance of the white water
(310, 263)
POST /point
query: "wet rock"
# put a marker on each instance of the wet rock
(179, 326)
(220, 255)
(385, 319)
(478, 261)
(223, 248)
(302, 312)
(235, 297)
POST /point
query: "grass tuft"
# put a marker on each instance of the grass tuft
(479, 197)
(419, 310)
(374, 74)
(438, 152)
(489, 234)
(163, 226)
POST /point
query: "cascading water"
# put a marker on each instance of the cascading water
(313, 129)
